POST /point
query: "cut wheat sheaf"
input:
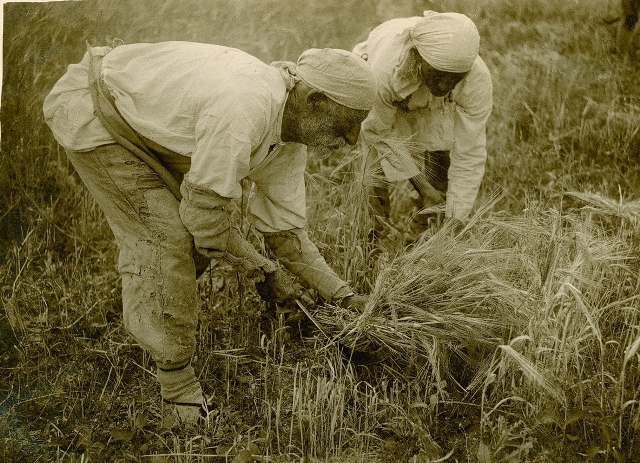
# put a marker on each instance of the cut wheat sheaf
(479, 287)
(444, 290)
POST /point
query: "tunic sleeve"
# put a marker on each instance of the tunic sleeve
(227, 131)
(473, 104)
(278, 199)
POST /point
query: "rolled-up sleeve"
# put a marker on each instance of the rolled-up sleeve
(473, 104)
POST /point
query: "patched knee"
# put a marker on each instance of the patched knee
(285, 243)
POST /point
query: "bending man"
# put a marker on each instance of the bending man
(434, 98)
(162, 135)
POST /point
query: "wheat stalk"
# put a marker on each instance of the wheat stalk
(444, 290)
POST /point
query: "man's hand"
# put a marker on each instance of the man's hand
(277, 287)
(356, 302)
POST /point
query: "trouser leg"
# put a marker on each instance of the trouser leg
(159, 292)
(436, 166)
(377, 190)
(177, 166)
(431, 186)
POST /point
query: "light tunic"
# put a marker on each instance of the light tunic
(456, 122)
(218, 106)
(219, 111)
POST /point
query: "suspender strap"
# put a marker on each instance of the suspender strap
(118, 128)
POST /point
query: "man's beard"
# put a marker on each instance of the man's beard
(318, 134)
(324, 150)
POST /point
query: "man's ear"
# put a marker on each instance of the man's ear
(315, 97)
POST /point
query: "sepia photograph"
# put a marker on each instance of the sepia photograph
(320, 231)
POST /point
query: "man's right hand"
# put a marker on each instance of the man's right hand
(277, 287)
(356, 302)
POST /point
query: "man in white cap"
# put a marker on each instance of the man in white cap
(163, 134)
(434, 98)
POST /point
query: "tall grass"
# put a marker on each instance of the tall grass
(546, 291)
(515, 340)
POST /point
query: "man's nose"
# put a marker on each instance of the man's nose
(445, 86)
(351, 136)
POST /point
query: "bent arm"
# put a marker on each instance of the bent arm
(203, 214)
(301, 257)
(227, 131)
(474, 100)
(278, 209)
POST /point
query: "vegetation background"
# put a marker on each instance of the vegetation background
(563, 382)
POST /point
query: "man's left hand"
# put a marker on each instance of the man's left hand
(277, 287)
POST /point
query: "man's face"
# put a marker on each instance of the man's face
(440, 83)
(326, 128)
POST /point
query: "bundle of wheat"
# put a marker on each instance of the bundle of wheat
(447, 290)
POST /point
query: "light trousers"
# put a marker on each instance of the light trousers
(159, 293)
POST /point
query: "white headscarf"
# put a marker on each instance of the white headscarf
(446, 41)
(342, 75)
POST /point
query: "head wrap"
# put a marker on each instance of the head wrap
(342, 75)
(446, 41)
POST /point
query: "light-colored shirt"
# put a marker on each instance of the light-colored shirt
(218, 106)
(456, 122)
